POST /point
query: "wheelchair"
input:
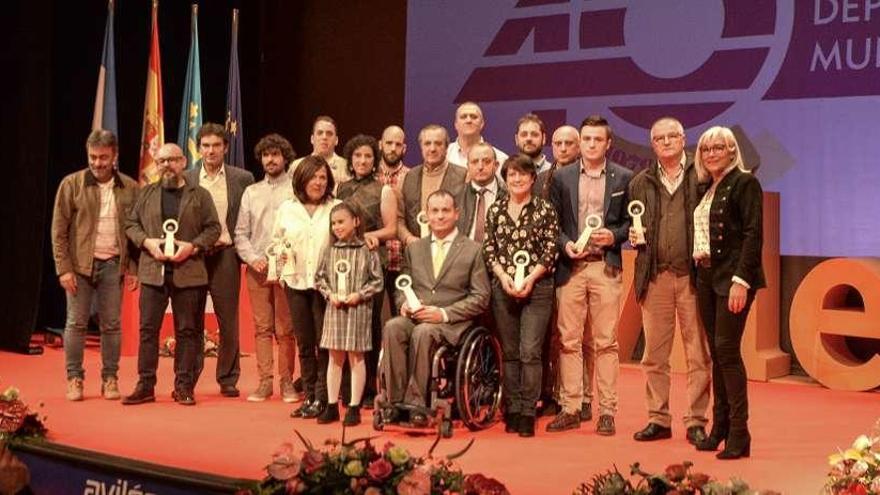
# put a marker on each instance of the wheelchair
(465, 385)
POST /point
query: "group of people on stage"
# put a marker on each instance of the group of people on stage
(529, 246)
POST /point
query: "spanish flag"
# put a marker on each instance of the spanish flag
(153, 135)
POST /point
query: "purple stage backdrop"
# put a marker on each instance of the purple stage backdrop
(798, 80)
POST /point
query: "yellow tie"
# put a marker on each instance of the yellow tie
(439, 256)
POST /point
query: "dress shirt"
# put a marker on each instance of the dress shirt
(488, 197)
(671, 183)
(591, 194)
(456, 156)
(535, 231)
(216, 185)
(107, 230)
(435, 245)
(310, 234)
(256, 216)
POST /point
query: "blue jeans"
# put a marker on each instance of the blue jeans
(105, 286)
(522, 326)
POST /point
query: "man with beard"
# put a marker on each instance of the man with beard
(468, 125)
(181, 277)
(324, 139)
(392, 172)
(226, 185)
(435, 173)
(530, 138)
(253, 235)
(91, 255)
(481, 191)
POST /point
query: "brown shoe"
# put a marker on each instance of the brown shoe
(606, 425)
(564, 421)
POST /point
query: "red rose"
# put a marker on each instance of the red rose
(379, 469)
(855, 489)
(312, 461)
(699, 479)
(676, 472)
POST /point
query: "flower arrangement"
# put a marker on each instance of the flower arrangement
(17, 421)
(676, 479)
(357, 467)
(856, 471)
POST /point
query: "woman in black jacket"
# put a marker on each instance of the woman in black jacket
(727, 252)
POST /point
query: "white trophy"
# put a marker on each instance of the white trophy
(342, 268)
(521, 260)
(591, 223)
(404, 283)
(170, 228)
(422, 219)
(287, 249)
(271, 263)
(636, 209)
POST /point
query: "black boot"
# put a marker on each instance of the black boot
(718, 435)
(738, 444)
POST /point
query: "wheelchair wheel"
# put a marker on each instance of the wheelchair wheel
(478, 379)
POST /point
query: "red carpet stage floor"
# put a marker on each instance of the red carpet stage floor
(794, 428)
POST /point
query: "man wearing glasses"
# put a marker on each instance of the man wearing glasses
(665, 284)
(174, 272)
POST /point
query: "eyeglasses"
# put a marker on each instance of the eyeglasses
(715, 148)
(170, 159)
(672, 136)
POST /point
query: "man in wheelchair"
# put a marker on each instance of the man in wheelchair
(449, 279)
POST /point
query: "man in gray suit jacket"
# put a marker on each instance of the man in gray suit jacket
(226, 185)
(450, 280)
(433, 174)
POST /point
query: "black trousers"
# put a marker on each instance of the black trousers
(224, 284)
(307, 314)
(724, 329)
(188, 313)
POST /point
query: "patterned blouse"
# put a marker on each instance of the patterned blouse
(348, 328)
(535, 231)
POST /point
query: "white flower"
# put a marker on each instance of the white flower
(862, 443)
(875, 485)
(859, 468)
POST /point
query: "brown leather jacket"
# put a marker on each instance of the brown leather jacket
(198, 224)
(75, 222)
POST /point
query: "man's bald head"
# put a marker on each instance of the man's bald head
(566, 144)
(392, 146)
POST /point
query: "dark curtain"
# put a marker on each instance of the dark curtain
(297, 59)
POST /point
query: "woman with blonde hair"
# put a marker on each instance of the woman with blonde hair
(727, 253)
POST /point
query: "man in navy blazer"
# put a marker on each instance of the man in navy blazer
(226, 185)
(589, 281)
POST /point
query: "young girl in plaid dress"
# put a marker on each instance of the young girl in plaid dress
(348, 316)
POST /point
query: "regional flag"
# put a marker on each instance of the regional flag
(104, 116)
(153, 134)
(233, 102)
(191, 109)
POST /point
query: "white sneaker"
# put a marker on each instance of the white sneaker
(263, 392)
(110, 389)
(289, 393)
(74, 389)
